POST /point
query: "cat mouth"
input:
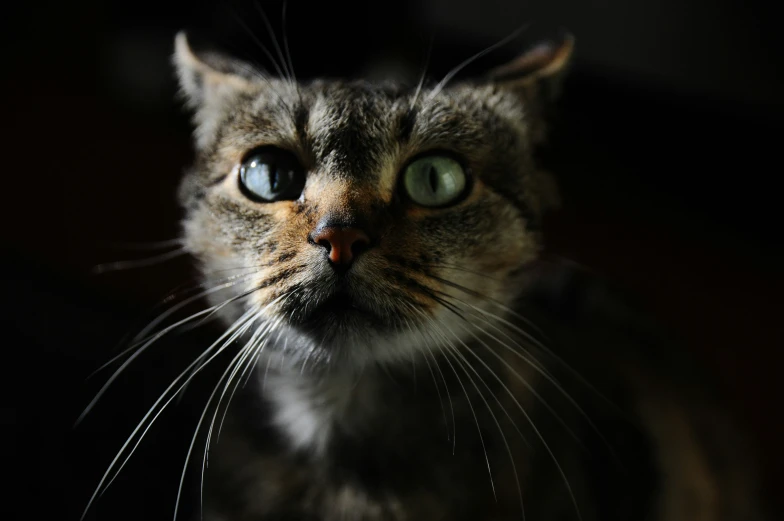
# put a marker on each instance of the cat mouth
(339, 311)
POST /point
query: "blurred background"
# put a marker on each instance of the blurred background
(666, 148)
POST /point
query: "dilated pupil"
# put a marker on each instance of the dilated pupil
(433, 178)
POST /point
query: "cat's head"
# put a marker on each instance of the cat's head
(357, 222)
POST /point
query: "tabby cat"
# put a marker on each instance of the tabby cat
(406, 353)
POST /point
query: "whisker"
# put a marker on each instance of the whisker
(501, 305)
(247, 372)
(231, 282)
(478, 428)
(463, 269)
(470, 406)
(258, 355)
(284, 10)
(530, 359)
(140, 337)
(274, 39)
(545, 350)
(262, 77)
(184, 388)
(430, 351)
(235, 364)
(436, 326)
(261, 45)
(152, 245)
(435, 383)
(424, 74)
(451, 74)
(257, 343)
(530, 388)
(131, 358)
(554, 258)
(269, 360)
(551, 380)
(535, 429)
(465, 364)
(244, 354)
(138, 263)
(232, 334)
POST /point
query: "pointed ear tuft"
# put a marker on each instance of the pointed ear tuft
(189, 68)
(537, 76)
(209, 82)
(545, 63)
(202, 76)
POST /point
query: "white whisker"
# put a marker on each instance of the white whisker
(142, 337)
(547, 376)
(157, 336)
(257, 314)
(451, 74)
(233, 367)
(533, 427)
(478, 428)
(274, 37)
(465, 364)
(423, 76)
(435, 383)
(471, 407)
(138, 263)
(231, 334)
(522, 380)
(151, 245)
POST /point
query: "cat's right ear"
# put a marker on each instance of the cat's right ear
(536, 76)
(209, 82)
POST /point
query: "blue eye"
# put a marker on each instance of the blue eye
(271, 175)
(434, 181)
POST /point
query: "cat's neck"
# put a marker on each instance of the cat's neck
(308, 409)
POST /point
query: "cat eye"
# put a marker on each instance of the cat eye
(434, 181)
(271, 174)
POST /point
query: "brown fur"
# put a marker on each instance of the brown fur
(396, 413)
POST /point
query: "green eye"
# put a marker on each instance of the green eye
(434, 181)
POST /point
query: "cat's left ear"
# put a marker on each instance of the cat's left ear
(209, 83)
(536, 76)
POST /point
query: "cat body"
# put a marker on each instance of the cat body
(404, 444)
(408, 354)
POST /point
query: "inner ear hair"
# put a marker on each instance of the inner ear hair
(201, 73)
(539, 71)
(209, 82)
(536, 77)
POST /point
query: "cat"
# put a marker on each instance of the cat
(408, 352)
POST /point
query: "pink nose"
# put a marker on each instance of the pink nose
(342, 244)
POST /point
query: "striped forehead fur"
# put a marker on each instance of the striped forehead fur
(354, 139)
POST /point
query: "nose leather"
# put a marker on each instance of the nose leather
(343, 245)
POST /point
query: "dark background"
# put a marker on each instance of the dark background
(666, 149)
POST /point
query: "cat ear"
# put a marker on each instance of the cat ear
(536, 76)
(209, 81)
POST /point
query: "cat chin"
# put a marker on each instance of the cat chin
(346, 345)
(351, 343)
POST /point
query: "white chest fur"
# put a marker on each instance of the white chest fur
(307, 409)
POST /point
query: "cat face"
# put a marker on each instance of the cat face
(360, 223)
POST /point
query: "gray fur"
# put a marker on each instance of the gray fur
(436, 401)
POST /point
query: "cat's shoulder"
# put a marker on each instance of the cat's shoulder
(606, 335)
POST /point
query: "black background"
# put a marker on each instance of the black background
(667, 149)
